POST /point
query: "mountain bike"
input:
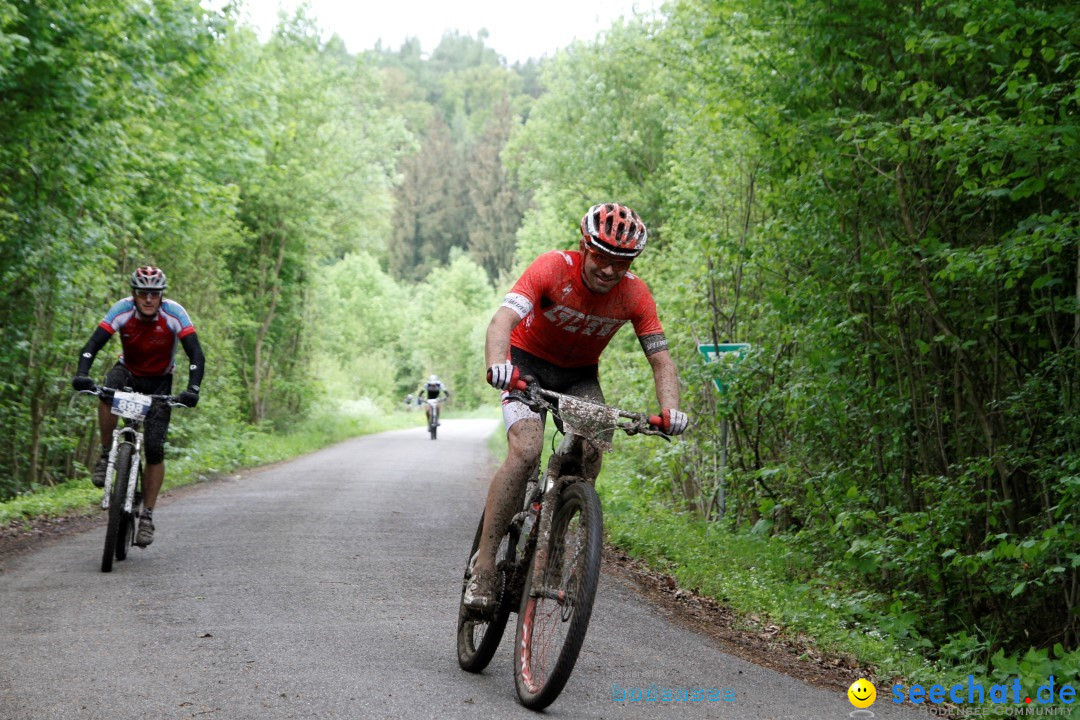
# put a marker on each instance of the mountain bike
(433, 417)
(123, 474)
(548, 563)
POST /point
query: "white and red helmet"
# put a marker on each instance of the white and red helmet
(148, 277)
(615, 230)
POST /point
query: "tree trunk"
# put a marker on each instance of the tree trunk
(261, 376)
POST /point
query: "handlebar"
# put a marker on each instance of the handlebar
(539, 398)
(107, 393)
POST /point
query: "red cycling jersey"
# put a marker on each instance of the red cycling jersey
(569, 325)
(148, 345)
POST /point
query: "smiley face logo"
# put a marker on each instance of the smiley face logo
(862, 694)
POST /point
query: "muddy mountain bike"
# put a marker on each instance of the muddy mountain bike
(123, 474)
(548, 563)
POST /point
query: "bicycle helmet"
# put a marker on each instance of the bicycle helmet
(148, 277)
(614, 229)
(433, 379)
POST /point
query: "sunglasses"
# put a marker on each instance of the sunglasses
(604, 260)
(148, 293)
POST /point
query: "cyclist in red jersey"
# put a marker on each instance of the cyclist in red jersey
(553, 325)
(150, 328)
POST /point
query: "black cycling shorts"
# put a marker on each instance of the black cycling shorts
(156, 425)
(583, 382)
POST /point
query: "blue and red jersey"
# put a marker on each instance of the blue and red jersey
(149, 346)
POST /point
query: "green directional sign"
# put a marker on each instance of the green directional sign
(722, 358)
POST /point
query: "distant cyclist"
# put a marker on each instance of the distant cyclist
(552, 326)
(150, 328)
(432, 389)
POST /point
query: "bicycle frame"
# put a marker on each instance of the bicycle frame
(434, 405)
(553, 605)
(584, 422)
(123, 523)
(570, 448)
(129, 434)
(132, 434)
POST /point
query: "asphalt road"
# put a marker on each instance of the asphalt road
(327, 587)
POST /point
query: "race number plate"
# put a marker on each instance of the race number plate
(589, 420)
(133, 406)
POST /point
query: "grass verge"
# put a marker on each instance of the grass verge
(767, 581)
(210, 456)
(762, 578)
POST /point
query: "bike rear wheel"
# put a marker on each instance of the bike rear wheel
(553, 618)
(478, 637)
(116, 528)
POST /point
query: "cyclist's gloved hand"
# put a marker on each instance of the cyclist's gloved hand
(189, 397)
(82, 382)
(675, 421)
(501, 375)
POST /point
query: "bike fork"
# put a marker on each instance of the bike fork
(552, 488)
(133, 471)
(133, 476)
(110, 468)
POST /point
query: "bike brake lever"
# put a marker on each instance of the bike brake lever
(530, 400)
(647, 431)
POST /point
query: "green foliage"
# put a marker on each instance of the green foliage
(454, 193)
(163, 134)
(444, 333)
(882, 200)
(382, 338)
(767, 581)
(596, 135)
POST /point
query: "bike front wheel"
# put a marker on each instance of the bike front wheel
(117, 527)
(554, 616)
(478, 636)
(130, 526)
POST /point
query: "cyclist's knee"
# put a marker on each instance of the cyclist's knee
(155, 455)
(524, 454)
(526, 433)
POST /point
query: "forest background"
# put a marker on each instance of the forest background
(881, 198)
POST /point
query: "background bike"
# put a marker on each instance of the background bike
(548, 563)
(433, 418)
(123, 474)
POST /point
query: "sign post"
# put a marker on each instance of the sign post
(724, 356)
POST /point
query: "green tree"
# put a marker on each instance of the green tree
(314, 184)
(85, 92)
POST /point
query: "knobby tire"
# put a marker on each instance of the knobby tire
(551, 629)
(127, 537)
(478, 639)
(116, 529)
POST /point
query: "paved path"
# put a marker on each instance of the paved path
(327, 587)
